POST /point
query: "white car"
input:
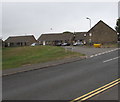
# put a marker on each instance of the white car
(65, 44)
(34, 44)
(77, 43)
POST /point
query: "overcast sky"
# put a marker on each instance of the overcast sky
(38, 18)
(119, 9)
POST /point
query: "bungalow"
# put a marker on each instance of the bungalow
(53, 39)
(101, 33)
(2, 44)
(20, 40)
(80, 37)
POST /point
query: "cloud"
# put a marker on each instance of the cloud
(37, 18)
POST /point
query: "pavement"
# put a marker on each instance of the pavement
(88, 51)
(63, 82)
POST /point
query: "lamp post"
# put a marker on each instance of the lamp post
(90, 21)
(90, 34)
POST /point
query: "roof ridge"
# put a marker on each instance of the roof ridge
(22, 36)
(103, 23)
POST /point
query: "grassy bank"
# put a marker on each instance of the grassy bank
(21, 56)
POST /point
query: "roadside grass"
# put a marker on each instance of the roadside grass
(20, 56)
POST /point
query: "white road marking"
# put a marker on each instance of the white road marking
(110, 59)
(99, 53)
(104, 52)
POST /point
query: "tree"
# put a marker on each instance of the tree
(118, 27)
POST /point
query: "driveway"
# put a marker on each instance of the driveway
(87, 51)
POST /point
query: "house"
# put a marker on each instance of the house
(80, 37)
(49, 39)
(20, 41)
(101, 33)
(53, 39)
(2, 43)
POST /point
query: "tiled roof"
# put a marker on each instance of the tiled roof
(80, 35)
(101, 23)
(55, 36)
(28, 38)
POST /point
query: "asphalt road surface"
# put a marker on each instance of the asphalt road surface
(62, 82)
(111, 94)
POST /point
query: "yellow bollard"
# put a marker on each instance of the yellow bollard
(97, 45)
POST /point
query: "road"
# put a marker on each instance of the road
(62, 82)
(111, 94)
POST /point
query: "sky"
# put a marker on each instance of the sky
(26, 18)
(119, 9)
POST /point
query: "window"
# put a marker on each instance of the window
(90, 34)
(85, 35)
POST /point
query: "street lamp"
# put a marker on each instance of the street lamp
(90, 21)
(90, 34)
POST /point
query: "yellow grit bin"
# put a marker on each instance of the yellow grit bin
(97, 45)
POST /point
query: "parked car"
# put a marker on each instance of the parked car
(58, 44)
(34, 44)
(77, 43)
(65, 44)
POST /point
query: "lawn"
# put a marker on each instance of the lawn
(20, 56)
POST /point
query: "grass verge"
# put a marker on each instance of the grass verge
(21, 56)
